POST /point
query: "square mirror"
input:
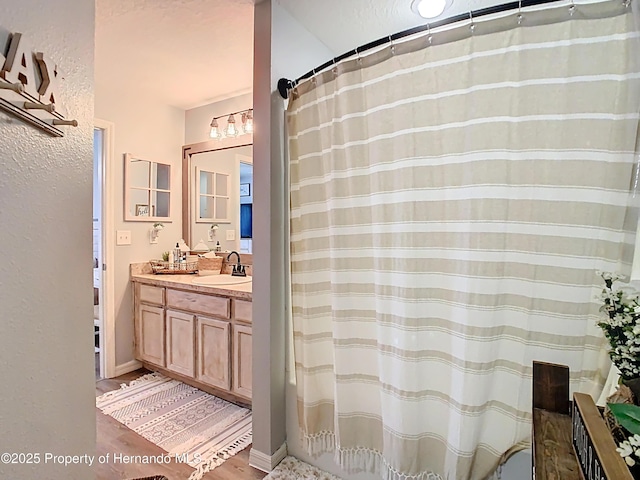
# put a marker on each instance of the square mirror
(147, 190)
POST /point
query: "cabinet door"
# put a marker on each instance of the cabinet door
(242, 371)
(150, 334)
(213, 357)
(180, 343)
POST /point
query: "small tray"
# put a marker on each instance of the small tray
(176, 268)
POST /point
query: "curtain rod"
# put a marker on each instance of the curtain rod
(284, 84)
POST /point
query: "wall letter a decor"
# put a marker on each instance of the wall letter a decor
(19, 66)
(50, 87)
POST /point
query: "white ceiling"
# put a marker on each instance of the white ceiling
(184, 53)
(343, 25)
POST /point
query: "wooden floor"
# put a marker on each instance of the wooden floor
(113, 437)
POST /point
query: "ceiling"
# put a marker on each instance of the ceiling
(184, 53)
(188, 53)
(343, 25)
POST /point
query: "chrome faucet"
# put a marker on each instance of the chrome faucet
(238, 269)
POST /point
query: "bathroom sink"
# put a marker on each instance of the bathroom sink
(213, 280)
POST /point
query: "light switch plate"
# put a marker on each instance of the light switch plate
(231, 234)
(123, 237)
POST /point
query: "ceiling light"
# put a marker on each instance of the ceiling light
(430, 8)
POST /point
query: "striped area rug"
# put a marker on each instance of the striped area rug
(191, 425)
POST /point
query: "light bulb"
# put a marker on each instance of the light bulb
(430, 8)
(231, 130)
(247, 122)
(215, 131)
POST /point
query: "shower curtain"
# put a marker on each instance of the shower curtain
(451, 200)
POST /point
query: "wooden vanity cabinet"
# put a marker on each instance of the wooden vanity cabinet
(242, 345)
(213, 352)
(201, 339)
(180, 342)
(149, 324)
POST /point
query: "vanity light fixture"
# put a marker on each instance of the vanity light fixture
(430, 8)
(232, 130)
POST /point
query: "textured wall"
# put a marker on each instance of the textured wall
(46, 326)
(154, 131)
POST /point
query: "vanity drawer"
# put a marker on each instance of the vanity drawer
(152, 295)
(242, 310)
(196, 302)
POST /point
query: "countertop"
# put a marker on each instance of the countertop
(241, 291)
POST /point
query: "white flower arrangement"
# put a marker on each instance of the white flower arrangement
(629, 449)
(621, 326)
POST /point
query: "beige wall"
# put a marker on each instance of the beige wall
(154, 131)
(46, 327)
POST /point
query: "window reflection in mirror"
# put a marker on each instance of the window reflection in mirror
(147, 189)
(213, 195)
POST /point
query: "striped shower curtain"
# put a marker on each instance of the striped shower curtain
(450, 205)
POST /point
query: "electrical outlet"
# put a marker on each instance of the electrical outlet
(231, 234)
(123, 237)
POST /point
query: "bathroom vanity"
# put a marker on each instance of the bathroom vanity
(198, 334)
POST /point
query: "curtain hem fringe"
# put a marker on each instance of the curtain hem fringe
(360, 459)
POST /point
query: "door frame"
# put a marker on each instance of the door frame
(107, 230)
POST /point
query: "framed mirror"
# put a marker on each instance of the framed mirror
(217, 190)
(147, 190)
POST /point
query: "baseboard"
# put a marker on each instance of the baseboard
(131, 366)
(265, 462)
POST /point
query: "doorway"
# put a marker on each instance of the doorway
(103, 231)
(98, 154)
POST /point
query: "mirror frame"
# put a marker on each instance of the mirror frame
(187, 152)
(128, 217)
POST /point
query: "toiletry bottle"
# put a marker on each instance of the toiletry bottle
(171, 260)
(176, 254)
(218, 247)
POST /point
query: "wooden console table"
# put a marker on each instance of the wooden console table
(553, 455)
(591, 455)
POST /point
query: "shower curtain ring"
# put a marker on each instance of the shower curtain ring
(519, 17)
(472, 27)
(358, 58)
(626, 3)
(334, 70)
(314, 82)
(429, 36)
(393, 47)
(572, 9)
